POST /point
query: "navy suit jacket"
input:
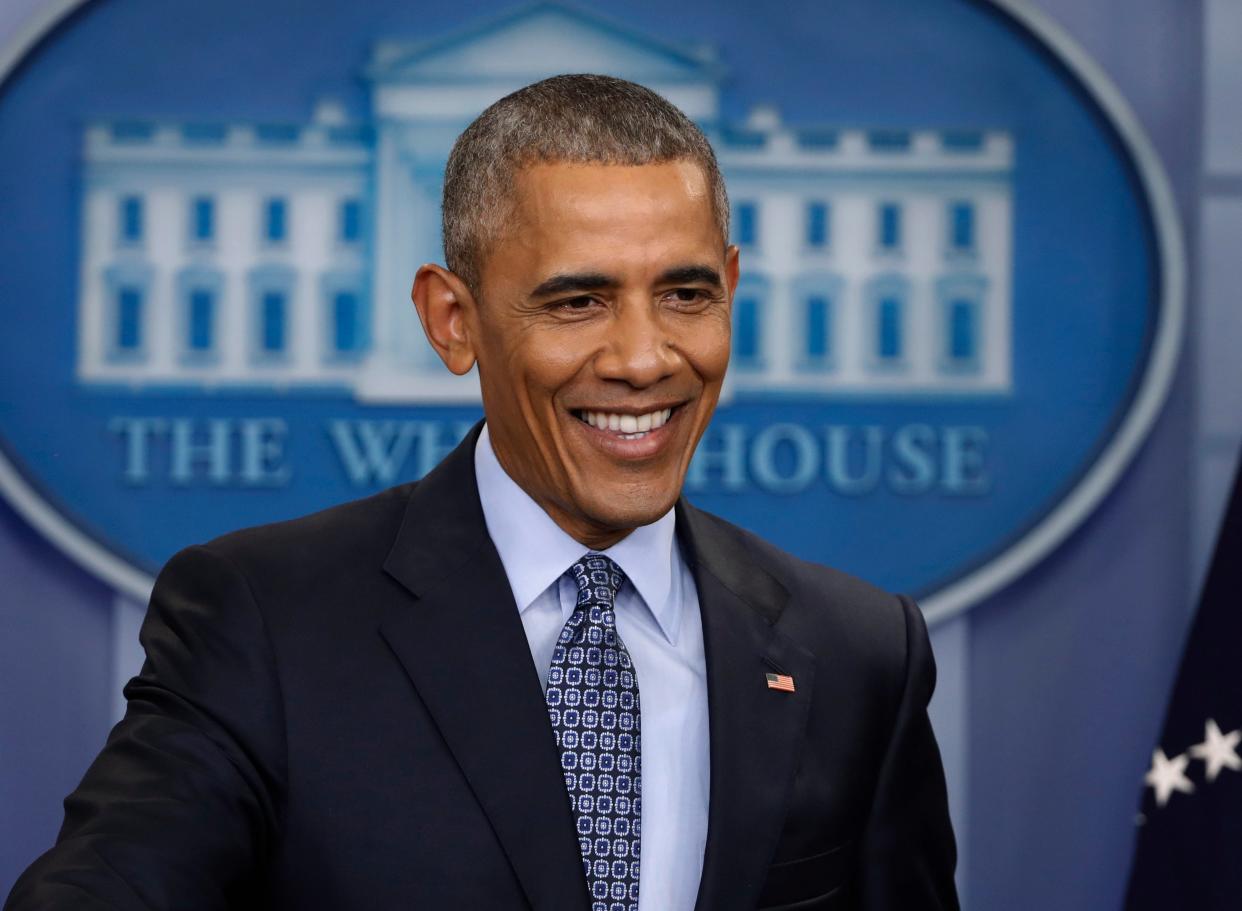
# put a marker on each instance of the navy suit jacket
(341, 711)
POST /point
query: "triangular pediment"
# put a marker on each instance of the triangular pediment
(539, 40)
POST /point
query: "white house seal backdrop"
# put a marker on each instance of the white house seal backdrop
(959, 309)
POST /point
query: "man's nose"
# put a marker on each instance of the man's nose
(640, 349)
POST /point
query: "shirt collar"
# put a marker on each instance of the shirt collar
(535, 551)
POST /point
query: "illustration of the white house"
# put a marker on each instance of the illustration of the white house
(280, 256)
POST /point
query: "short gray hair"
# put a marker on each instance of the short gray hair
(581, 118)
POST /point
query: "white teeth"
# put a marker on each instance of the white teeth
(629, 425)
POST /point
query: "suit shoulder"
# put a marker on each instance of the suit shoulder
(826, 600)
(799, 575)
(329, 537)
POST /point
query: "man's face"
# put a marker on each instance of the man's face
(602, 338)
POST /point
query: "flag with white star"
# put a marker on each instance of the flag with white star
(1188, 852)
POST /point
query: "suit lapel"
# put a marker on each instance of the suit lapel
(462, 645)
(756, 732)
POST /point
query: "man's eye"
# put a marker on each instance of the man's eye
(683, 296)
(576, 304)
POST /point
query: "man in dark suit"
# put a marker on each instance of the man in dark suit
(502, 685)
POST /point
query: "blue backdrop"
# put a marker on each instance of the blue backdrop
(1056, 684)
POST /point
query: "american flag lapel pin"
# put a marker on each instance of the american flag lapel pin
(782, 682)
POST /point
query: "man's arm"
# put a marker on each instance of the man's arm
(908, 851)
(181, 806)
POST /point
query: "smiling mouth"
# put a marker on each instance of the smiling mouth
(626, 426)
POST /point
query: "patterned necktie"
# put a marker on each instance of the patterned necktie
(592, 700)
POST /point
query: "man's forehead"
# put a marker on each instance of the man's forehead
(629, 222)
(562, 184)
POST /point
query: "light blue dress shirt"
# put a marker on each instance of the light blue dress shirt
(658, 620)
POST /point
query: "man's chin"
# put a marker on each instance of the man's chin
(630, 512)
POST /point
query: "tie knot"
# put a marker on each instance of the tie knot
(599, 579)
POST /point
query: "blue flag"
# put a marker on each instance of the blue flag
(1188, 852)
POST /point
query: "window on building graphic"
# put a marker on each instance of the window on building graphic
(348, 330)
(277, 133)
(200, 320)
(818, 329)
(888, 235)
(350, 228)
(131, 219)
(817, 224)
(271, 312)
(962, 331)
(132, 132)
(961, 227)
(888, 325)
(273, 321)
(960, 298)
(962, 140)
(746, 222)
(746, 330)
(198, 312)
(129, 307)
(205, 133)
(275, 211)
(202, 219)
(889, 140)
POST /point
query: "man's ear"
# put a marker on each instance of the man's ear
(445, 308)
(732, 268)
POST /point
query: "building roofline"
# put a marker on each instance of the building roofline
(703, 61)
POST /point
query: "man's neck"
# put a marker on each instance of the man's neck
(590, 536)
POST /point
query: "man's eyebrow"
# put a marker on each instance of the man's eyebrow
(690, 275)
(566, 282)
(574, 281)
